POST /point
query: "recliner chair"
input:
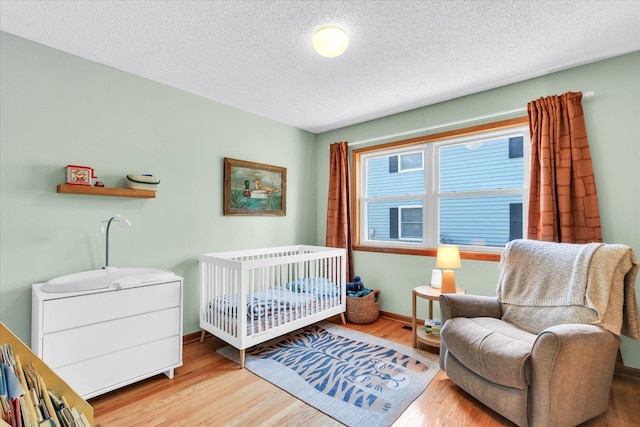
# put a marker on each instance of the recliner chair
(532, 354)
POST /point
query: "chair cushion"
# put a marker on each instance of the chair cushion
(492, 348)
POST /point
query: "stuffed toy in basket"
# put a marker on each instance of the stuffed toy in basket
(363, 305)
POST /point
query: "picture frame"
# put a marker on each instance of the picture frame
(254, 189)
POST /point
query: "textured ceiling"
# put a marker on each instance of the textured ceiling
(257, 55)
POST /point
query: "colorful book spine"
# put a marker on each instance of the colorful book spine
(432, 327)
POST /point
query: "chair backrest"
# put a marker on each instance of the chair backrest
(543, 284)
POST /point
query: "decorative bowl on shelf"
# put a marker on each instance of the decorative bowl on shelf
(143, 182)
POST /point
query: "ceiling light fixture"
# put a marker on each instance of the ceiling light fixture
(330, 41)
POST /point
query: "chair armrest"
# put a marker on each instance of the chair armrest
(462, 305)
(571, 372)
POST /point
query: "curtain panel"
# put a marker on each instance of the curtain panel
(339, 203)
(563, 203)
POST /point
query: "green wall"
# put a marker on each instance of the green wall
(614, 136)
(57, 109)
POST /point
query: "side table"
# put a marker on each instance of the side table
(419, 334)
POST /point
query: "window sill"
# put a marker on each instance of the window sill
(478, 256)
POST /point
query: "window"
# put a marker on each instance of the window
(466, 188)
(395, 207)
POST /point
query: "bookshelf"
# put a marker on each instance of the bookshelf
(47, 378)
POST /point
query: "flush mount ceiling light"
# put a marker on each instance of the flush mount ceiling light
(330, 41)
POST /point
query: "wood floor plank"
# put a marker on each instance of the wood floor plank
(210, 390)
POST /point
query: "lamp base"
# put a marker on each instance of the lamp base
(448, 282)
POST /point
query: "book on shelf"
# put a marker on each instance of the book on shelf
(432, 326)
(25, 400)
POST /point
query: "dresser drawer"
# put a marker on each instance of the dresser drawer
(101, 374)
(75, 311)
(87, 342)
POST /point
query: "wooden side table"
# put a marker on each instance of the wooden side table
(419, 334)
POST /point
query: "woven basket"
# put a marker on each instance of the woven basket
(363, 310)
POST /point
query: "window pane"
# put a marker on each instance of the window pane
(394, 220)
(481, 221)
(384, 180)
(480, 165)
(412, 215)
(411, 161)
(411, 223)
(412, 231)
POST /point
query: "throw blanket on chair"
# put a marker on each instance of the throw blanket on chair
(543, 284)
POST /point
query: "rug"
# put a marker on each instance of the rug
(355, 378)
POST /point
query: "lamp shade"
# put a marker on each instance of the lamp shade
(330, 41)
(448, 257)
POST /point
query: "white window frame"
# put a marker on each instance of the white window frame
(364, 200)
(432, 196)
(523, 191)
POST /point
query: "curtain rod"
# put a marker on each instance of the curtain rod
(442, 125)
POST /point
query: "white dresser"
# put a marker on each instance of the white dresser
(101, 340)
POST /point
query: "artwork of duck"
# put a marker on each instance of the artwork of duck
(268, 190)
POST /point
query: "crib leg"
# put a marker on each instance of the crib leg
(202, 334)
(242, 359)
(344, 322)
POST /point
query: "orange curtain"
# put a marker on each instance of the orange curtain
(563, 203)
(338, 206)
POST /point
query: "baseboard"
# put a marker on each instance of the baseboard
(397, 317)
(626, 371)
(189, 338)
(620, 370)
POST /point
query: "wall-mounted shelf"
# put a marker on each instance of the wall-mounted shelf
(105, 191)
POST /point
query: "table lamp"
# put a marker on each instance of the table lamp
(448, 257)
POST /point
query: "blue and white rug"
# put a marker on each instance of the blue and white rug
(356, 378)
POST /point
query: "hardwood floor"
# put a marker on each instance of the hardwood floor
(209, 390)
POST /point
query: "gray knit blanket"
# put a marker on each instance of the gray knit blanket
(542, 284)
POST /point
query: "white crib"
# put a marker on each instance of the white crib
(251, 296)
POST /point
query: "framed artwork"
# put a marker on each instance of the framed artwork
(254, 188)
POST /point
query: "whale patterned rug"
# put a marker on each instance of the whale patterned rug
(355, 378)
